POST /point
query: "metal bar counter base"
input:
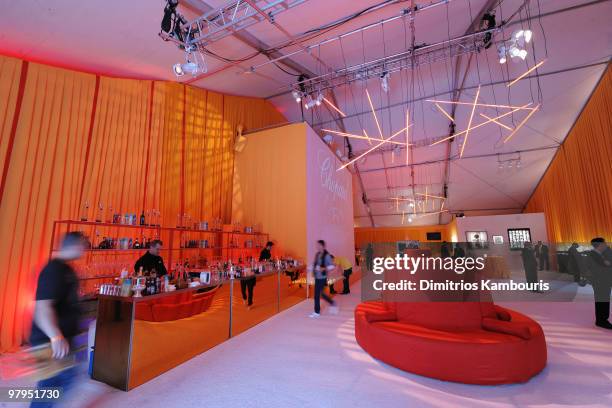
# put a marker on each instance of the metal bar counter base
(139, 338)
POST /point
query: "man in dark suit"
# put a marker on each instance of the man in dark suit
(600, 265)
(542, 253)
(574, 262)
(529, 263)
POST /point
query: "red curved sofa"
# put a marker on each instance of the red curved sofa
(177, 307)
(465, 342)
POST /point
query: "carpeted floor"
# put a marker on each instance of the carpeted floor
(291, 360)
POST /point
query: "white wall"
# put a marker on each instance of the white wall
(499, 224)
(329, 200)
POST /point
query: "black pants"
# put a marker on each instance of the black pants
(249, 284)
(319, 293)
(345, 282)
(544, 261)
(602, 309)
(531, 273)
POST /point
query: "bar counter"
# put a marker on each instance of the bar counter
(139, 338)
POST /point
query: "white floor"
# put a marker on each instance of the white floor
(293, 361)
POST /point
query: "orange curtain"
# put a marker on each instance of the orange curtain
(68, 138)
(43, 179)
(365, 235)
(575, 193)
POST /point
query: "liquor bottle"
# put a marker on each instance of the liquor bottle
(85, 211)
(100, 212)
(142, 218)
(136, 244)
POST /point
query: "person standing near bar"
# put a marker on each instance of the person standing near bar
(56, 311)
(247, 285)
(600, 266)
(322, 265)
(543, 256)
(152, 260)
(347, 269)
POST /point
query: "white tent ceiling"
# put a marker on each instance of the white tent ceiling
(575, 37)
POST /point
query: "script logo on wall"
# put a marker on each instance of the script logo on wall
(335, 188)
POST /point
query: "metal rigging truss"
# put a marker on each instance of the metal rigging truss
(409, 59)
(227, 20)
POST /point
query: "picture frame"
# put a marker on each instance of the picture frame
(517, 238)
(498, 239)
(477, 239)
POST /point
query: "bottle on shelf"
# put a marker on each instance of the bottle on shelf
(142, 218)
(100, 212)
(85, 211)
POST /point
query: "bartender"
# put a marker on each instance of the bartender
(151, 260)
(247, 285)
(266, 253)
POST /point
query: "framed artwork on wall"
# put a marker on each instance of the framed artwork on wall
(517, 237)
(498, 239)
(477, 239)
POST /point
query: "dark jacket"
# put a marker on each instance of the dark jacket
(600, 266)
(149, 262)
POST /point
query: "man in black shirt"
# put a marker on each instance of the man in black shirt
(247, 285)
(56, 313)
(151, 260)
(266, 253)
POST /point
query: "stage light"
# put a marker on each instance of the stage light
(384, 82)
(319, 99)
(309, 103)
(522, 54)
(410, 219)
(178, 70)
(501, 51)
(296, 96)
(523, 36)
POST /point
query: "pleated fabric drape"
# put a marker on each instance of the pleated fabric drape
(68, 138)
(365, 235)
(576, 191)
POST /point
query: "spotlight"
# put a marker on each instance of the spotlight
(297, 96)
(193, 65)
(410, 219)
(412, 204)
(309, 102)
(522, 54)
(523, 36)
(384, 82)
(178, 70)
(319, 99)
(501, 51)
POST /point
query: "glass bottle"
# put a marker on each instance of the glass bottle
(100, 212)
(85, 211)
